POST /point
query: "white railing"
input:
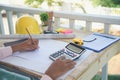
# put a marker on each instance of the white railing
(18, 11)
(88, 18)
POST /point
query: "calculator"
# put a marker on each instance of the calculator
(71, 51)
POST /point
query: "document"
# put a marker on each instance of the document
(38, 60)
(98, 41)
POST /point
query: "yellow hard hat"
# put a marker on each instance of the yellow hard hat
(28, 22)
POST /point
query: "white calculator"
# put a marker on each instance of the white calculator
(71, 51)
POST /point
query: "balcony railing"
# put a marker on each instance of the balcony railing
(71, 17)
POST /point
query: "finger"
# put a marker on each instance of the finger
(29, 47)
(61, 58)
(68, 60)
(34, 47)
(73, 63)
(36, 41)
(28, 42)
(70, 65)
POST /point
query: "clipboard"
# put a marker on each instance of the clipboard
(98, 41)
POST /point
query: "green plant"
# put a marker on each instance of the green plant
(107, 3)
(44, 18)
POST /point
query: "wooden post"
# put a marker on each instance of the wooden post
(50, 19)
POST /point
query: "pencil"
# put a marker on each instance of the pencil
(30, 35)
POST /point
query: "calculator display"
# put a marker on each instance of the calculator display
(74, 48)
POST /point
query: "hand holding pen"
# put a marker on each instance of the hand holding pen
(28, 45)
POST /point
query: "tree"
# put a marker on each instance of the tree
(81, 7)
(50, 3)
(107, 3)
(37, 3)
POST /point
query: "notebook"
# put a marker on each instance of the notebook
(98, 41)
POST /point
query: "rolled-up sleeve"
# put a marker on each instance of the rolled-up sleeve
(5, 52)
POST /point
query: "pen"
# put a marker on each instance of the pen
(30, 35)
(106, 36)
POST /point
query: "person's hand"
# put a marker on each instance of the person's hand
(26, 45)
(59, 67)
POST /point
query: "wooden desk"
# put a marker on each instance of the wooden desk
(92, 64)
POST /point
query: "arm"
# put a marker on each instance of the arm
(46, 77)
(5, 51)
(59, 67)
(56, 69)
(24, 46)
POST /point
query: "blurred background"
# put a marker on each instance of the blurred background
(101, 7)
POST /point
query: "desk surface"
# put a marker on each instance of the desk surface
(91, 64)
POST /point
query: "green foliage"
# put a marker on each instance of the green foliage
(29, 2)
(50, 2)
(44, 17)
(36, 3)
(97, 77)
(110, 77)
(81, 7)
(107, 3)
(60, 3)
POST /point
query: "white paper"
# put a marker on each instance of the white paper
(39, 60)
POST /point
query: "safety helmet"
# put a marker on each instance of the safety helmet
(28, 22)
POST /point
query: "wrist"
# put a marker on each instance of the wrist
(51, 75)
(46, 77)
(15, 48)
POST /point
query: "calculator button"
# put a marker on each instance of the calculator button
(61, 53)
(55, 55)
(74, 55)
(62, 50)
(69, 53)
(66, 56)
